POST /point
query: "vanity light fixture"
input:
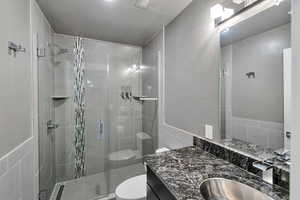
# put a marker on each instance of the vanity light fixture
(238, 1)
(228, 12)
(249, 2)
(278, 2)
(218, 11)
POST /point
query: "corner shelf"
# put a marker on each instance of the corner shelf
(59, 98)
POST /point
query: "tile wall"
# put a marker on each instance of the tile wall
(17, 173)
(107, 70)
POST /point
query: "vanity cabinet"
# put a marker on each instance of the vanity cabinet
(156, 190)
(150, 194)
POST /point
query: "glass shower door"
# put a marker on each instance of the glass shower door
(112, 118)
(97, 120)
(46, 121)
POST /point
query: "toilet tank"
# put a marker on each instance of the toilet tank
(144, 143)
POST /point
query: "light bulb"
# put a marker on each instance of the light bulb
(216, 11)
(278, 2)
(228, 12)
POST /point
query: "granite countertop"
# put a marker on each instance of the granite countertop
(183, 170)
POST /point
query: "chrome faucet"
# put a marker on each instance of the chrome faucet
(283, 156)
(265, 170)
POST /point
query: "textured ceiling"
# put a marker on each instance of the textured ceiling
(114, 20)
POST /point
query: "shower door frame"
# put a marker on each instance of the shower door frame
(35, 86)
(35, 109)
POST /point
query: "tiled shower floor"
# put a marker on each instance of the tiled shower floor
(96, 187)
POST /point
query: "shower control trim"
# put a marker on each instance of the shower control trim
(51, 125)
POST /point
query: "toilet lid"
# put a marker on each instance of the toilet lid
(133, 188)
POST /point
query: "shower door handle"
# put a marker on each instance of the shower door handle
(100, 127)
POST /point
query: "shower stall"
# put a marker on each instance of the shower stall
(94, 138)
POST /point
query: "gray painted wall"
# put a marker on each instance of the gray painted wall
(15, 76)
(260, 98)
(295, 181)
(192, 69)
(153, 75)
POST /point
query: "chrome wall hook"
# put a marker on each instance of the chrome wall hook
(251, 75)
(14, 48)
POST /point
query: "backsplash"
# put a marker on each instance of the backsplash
(280, 177)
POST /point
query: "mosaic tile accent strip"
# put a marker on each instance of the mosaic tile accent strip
(79, 104)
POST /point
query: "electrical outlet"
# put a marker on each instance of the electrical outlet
(209, 130)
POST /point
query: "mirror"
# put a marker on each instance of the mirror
(255, 82)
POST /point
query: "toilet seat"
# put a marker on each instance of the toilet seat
(122, 155)
(132, 189)
(162, 150)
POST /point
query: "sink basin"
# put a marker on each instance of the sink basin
(224, 189)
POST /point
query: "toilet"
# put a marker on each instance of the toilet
(126, 157)
(132, 189)
(135, 188)
(162, 150)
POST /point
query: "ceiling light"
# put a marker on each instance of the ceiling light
(134, 67)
